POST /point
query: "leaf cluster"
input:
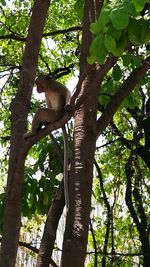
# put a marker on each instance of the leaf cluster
(119, 23)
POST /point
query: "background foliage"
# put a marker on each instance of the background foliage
(123, 30)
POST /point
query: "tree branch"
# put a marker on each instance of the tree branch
(134, 214)
(72, 29)
(94, 244)
(49, 234)
(99, 74)
(35, 250)
(140, 150)
(116, 254)
(122, 93)
(29, 142)
(15, 36)
(109, 214)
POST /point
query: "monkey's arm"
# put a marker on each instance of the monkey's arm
(62, 90)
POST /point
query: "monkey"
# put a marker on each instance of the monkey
(57, 99)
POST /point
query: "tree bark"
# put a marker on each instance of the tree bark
(19, 112)
(51, 224)
(75, 239)
(80, 183)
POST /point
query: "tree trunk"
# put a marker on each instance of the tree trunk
(51, 224)
(19, 112)
(80, 183)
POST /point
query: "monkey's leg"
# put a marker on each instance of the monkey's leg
(43, 116)
(37, 122)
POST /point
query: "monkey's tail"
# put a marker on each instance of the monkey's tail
(66, 180)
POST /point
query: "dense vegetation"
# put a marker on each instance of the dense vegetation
(110, 54)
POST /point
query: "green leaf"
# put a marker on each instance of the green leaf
(94, 28)
(104, 99)
(101, 54)
(117, 73)
(91, 59)
(78, 6)
(130, 102)
(139, 5)
(145, 32)
(103, 18)
(137, 61)
(148, 87)
(128, 6)
(109, 43)
(114, 32)
(134, 29)
(127, 59)
(97, 49)
(120, 45)
(110, 86)
(119, 18)
(139, 31)
(3, 2)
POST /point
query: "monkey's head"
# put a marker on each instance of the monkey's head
(42, 83)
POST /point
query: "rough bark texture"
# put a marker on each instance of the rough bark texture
(49, 235)
(80, 184)
(75, 240)
(86, 131)
(19, 112)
